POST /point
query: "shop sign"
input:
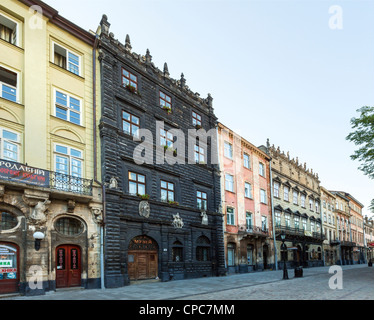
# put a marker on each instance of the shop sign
(6, 263)
(16, 172)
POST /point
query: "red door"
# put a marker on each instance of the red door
(9, 268)
(68, 266)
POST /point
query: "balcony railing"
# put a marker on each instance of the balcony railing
(298, 232)
(20, 173)
(254, 231)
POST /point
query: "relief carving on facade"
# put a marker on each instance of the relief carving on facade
(97, 214)
(144, 209)
(205, 219)
(178, 222)
(38, 213)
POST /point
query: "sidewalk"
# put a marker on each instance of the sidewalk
(194, 288)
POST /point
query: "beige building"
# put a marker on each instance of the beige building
(330, 244)
(297, 210)
(369, 237)
(50, 193)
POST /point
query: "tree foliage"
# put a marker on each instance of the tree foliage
(363, 136)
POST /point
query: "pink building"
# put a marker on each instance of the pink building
(246, 203)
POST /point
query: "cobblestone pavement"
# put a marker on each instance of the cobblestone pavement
(358, 284)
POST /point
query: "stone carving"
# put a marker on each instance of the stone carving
(71, 206)
(205, 219)
(144, 209)
(113, 183)
(38, 212)
(178, 222)
(97, 214)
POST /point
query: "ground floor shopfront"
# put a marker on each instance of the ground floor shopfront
(249, 251)
(49, 239)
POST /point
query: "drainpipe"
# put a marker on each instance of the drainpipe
(102, 227)
(272, 215)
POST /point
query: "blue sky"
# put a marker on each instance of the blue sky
(274, 68)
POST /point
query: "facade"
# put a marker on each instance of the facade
(343, 217)
(50, 199)
(369, 238)
(162, 220)
(297, 211)
(246, 203)
(357, 229)
(329, 226)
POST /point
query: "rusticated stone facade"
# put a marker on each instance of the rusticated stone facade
(146, 236)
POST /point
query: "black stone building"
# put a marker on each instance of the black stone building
(162, 221)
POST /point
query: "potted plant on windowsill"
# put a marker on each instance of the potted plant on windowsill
(171, 149)
(167, 109)
(132, 89)
(143, 196)
(198, 126)
(173, 203)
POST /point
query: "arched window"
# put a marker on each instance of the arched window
(177, 251)
(203, 249)
(8, 221)
(69, 226)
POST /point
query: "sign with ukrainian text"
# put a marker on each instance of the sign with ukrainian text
(16, 172)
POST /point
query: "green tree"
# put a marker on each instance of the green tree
(363, 136)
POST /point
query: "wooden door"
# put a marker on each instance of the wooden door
(9, 268)
(68, 266)
(142, 265)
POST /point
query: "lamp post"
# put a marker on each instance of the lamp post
(284, 249)
(38, 236)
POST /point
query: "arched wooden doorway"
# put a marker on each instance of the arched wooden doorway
(143, 258)
(9, 268)
(68, 266)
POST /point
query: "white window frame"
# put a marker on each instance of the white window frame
(230, 182)
(276, 189)
(228, 150)
(248, 186)
(295, 197)
(67, 57)
(16, 143)
(249, 218)
(231, 221)
(17, 28)
(246, 164)
(17, 88)
(67, 108)
(261, 169)
(69, 156)
(263, 194)
(286, 193)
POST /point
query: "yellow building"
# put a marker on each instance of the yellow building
(50, 192)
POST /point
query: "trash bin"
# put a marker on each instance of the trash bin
(299, 272)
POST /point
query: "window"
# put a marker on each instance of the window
(68, 164)
(248, 190)
(230, 216)
(66, 59)
(263, 196)
(167, 191)
(199, 154)
(262, 169)
(7, 221)
(286, 193)
(9, 143)
(295, 197)
(247, 163)
(69, 226)
(229, 182)
(129, 79)
(177, 252)
(8, 84)
(196, 119)
(228, 150)
(165, 100)
(130, 124)
(264, 223)
(304, 223)
(297, 222)
(317, 207)
(311, 204)
(287, 220)
(67, 108)
(313, 226)
(136, 184)
(8, 30)
(249, 221)
(166, 139)
(324, 217)
(276, 189)
(202, 200)
(303, 200)
(203, 249)
(278, 219)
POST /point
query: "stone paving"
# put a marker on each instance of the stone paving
(358, 284)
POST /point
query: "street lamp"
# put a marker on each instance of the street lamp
(284, 249)
(38, 236)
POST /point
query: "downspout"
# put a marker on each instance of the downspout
(102, 226)
(272, 215)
